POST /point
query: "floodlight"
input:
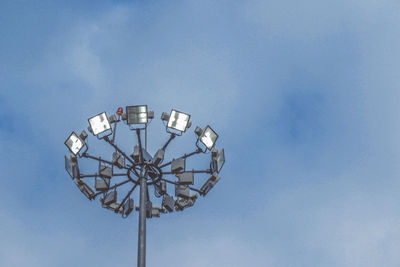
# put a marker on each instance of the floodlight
(178, 165)
(118, 160)
(149, 208)
(105, 171)
(210, 183)
(218, 159)
(155, 212)
(112, 206)
(83, 135)
(178, 120)
(160, 188)
(182, 191)
(136, 155)
(74, 143)
(128, 207)
(208, 137)
(186, 178)
(110, 197)
(99, 124)
(182, 203)
(168, 203)
(102, 184)
(158, 157)
(71, 166)
(84, 188)
(136, 114)
(112, 119)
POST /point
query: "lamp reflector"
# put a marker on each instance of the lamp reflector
(136, 114)
(99, 123)
(74, 143)
(71, 166)
(218, 159)
(208, 137)
(178, 120)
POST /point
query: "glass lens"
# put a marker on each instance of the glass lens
(99, 123)
(208, 137)
(220, 160)
(74, 143)
(69, 165)
(136, 114)
(178, 121)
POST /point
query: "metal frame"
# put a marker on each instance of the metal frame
(141, 174)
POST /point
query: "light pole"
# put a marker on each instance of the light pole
(140, 168)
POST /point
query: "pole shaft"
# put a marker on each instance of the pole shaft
(142, 221)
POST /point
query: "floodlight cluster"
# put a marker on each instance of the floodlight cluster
(137, 164)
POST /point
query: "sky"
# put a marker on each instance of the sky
(304, 96)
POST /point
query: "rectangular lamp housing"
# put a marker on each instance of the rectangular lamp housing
(178, 120)
(182, 191)
(137, 114)
(178, 165)
(99, 123)
(186, 178)
(208, 137)
(74, 143)
(168, 203)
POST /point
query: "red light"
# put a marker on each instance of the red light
(120, 111)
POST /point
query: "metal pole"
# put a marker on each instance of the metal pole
(142, 220)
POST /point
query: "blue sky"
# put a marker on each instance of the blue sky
(304, 95)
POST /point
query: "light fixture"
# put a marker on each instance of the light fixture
(160, 188)
(112, 206)
(178, 121)
(186, 178)
(110, 197)
(149, 209)
(84, 188)
(74, 143)
(136, 155)
(183, 203)
(155, 212)
(178, 165)
(136, 114)
(118, 160)
(128, 207)
(182, 191)
(168, 203)
(71, 166)
(209, 184)
(102, 184)
(208, 137)
(105, 171)
(218, 159)
(158, 157)
(99, 124)
(134, 169)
